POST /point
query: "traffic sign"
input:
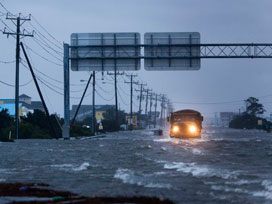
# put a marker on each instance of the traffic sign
(105, 51)
(172, 51)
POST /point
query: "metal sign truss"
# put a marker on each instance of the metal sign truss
(236, 50)
(224, 50)
(210, 50)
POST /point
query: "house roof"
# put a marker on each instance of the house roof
(34, 105)
(24, 96)
(89, 107)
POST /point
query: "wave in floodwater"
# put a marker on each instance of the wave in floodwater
(267, 192)
(232, 184)
(72, 167)
(128, 176)
(199, 170)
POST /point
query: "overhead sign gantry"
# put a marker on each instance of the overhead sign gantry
(171, 51)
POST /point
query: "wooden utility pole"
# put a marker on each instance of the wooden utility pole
(18, 21)
(131, 99)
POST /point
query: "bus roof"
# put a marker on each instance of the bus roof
(187, 111)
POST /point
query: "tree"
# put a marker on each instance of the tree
(109, 119)
(6, 123)
(253, 107)
(40, 124)
(249, 119)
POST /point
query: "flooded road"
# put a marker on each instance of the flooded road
(226, 166)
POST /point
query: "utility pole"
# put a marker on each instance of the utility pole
(146, 105)
(140, 103)
(155, 117)
(116, 95)
(163, 100)
(18, 21)
(66, 88)
(162, 104)
(150, 110)
(131, 98)
(94, 119)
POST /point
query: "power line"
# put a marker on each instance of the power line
(46, 30)
(45, 49)
(122, 100)
(103, 97)
(7, 62)
(40, 33)
(119, 87)
(6, 26)
(46, 59)
(51, 78)
(12, 85)
(41, 40)
(50, 84)
(102, 89)
(4, 7)
(7, 84)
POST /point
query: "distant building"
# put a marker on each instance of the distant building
(86, 111)
(152, 115)
(25, 99)
(226, 117)
(134, 120)
(26, 105)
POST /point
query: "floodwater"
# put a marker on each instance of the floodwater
(224, 166)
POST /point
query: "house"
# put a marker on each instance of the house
(86, 111)
(226, 117)
(26, 105)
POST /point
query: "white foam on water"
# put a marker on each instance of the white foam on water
(163, 148)
(71, 167)
(2, 180)
(7, 171)
(228, 189)
(159, 173)
(61, 165)
(241, 182)
(82, 167)
(148, 133)
(199, 170)
(129, 177)
(157, 185)
(163, 140)
(196, 151)
(267, 192)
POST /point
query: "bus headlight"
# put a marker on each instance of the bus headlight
(192, 129)
(175, 129)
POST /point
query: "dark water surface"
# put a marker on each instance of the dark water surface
(225, 166)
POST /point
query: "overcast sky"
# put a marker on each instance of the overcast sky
(218, 80)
